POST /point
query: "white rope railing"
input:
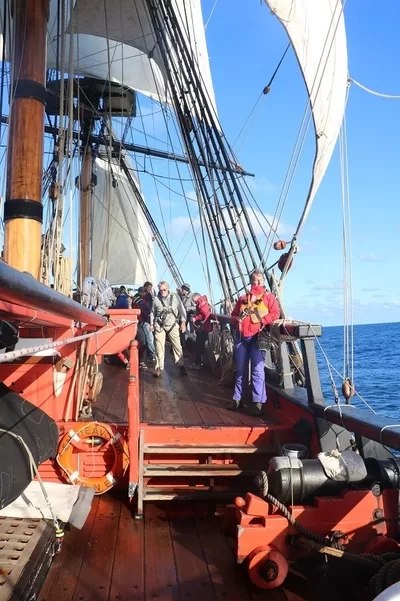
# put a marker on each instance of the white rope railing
(11, 355)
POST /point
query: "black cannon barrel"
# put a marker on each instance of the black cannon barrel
(23, 289)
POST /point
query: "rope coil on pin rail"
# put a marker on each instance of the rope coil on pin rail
(86, 439)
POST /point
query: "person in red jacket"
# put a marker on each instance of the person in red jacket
(202, 325)
(254, 310)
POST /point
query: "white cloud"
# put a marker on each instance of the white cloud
(264, 221)
(261, 185)
(191, 195)
(338, 285)
(260, 223)
(371, 258)
(179, 225)
(165, 203)
(370, 289)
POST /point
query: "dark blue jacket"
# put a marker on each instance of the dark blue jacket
(122, 301)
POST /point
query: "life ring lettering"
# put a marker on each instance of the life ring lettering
(98, 438)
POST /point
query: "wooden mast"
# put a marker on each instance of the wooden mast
(23, 206)
(85, 211)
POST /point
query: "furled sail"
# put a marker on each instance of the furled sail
(316, 30)
(116, 42)
(122, 245)
(119, 36)
(128, 22)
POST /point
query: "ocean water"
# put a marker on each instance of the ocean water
(376, 365)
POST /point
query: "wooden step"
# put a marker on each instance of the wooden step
(162, 494)
(198, 469)
(166, 449)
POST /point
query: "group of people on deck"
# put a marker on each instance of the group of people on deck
(168, 315)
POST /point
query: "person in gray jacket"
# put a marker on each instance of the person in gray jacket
(169, 320)
(190, 308)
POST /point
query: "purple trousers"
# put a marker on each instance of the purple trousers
(246, 351)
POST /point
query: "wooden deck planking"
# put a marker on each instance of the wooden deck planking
(159, 563)
(177, 391)
(192, 400)
(193, 574)
(64, 573)
(127, 579)
(95, 576)
(163, 557)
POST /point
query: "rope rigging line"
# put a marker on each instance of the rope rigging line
(168, 245)
(348, 327)
(210, 15)
(213, 247)
(166, 115)
(191, 99)
(198, 178)
(333, 368)
(298, 147)
(264, 92)
(339, 5)
(373, 92)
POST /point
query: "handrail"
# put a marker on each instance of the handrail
(361, 422)
(298, 330)
(22, 289)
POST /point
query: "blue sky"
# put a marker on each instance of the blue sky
(245, 43)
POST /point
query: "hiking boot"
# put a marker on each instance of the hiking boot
(157, 373)
(255, 409)
(142, 365)
(196, 366)
(234, 405)
(183, 370)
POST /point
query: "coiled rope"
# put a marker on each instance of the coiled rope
(385, 559)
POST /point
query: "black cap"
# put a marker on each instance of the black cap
(185, 287)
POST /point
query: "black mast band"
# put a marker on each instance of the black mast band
(23, 208)
(27, 88)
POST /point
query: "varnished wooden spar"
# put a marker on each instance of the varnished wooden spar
(85, 210)
(23, 206)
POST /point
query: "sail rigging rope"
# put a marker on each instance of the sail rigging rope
(35, 472)
(373, 92)
(191, 98)
(298, 148)
(198, 184)
(265, 91)
(348, 326)
(332, 367)
(210, 15)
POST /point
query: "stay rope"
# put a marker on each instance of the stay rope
(373, 92)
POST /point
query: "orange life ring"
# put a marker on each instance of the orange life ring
(73, 441)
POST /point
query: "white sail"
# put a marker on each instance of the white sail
(122, 243)
(127, 22)
(116, 39)
(316, 30)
